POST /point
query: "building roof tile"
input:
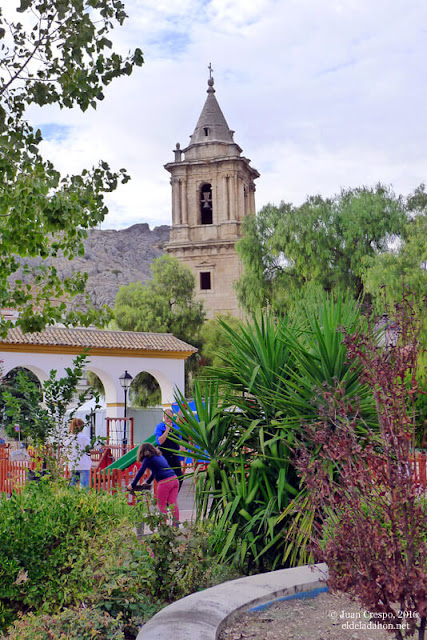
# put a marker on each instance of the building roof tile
(98, 339)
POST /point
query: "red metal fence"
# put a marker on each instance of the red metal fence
(14, 476)
(421, 469)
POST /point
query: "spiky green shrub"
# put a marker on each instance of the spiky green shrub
(250, 417)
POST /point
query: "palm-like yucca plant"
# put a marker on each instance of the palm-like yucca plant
(320, 361)
(246, 483)
(274, 374)
(258, 359)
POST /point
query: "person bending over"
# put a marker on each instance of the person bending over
(165, 476)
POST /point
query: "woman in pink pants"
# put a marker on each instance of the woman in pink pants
(165, 476)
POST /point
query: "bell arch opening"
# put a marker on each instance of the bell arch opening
(206, 211)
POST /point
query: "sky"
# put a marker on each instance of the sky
(322, 95)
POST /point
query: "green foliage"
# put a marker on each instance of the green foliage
(72, 624)
(322, 243)
(58, 52)
(57, 543)
(183, 560)
(250, 419)
(407, 263)
(214, 339)
(20, 398)
(48, 422)
(67, 551)
(145, 391)
(164, 304)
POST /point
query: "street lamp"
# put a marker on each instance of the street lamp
(125, 381)
(388, 332)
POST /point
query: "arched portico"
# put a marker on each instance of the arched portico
(110, 353)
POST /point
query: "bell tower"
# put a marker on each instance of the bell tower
(212, 190)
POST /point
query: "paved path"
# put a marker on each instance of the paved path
(187, 510)
(186, 500)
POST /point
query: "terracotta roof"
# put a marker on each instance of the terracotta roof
(98, 339)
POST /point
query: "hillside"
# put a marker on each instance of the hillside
(113, 258)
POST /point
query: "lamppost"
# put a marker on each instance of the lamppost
(388, 332)
(125, 381)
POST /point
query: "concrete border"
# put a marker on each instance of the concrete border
(202, 615)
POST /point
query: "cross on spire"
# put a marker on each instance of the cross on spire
(210, 70)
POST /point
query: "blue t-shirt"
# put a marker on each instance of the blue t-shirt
(159, 467)
(171, 445)
(159, 431)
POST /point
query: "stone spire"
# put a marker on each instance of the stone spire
(211, 126)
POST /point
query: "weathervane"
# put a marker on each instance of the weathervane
(210, 70)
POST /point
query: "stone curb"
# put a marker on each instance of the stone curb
(202, 615)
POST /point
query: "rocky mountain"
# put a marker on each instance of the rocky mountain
(113, 258)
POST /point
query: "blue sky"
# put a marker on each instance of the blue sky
(321, 95)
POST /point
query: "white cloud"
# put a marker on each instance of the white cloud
(322, 95)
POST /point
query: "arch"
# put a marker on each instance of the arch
(150, 392)
(40, 374)
(107, 380)
(166, 386)
(206, 210)
(24, 369)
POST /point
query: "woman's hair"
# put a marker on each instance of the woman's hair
(146, 450)
(76, 425)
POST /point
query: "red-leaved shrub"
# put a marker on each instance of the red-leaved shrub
(371, 513)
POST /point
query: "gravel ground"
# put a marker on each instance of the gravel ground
(326, 617)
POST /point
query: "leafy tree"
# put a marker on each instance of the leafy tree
(215, 341)
(287, 251)
(48, 423)
(58, 52)
(164, 304)
(404, 268)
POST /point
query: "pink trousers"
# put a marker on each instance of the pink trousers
(167, 493)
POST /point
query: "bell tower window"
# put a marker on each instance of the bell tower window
(206, 216)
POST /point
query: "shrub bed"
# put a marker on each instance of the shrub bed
(67, 552)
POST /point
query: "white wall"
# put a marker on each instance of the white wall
(168, 372)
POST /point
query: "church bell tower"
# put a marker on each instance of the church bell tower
(212, 190)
